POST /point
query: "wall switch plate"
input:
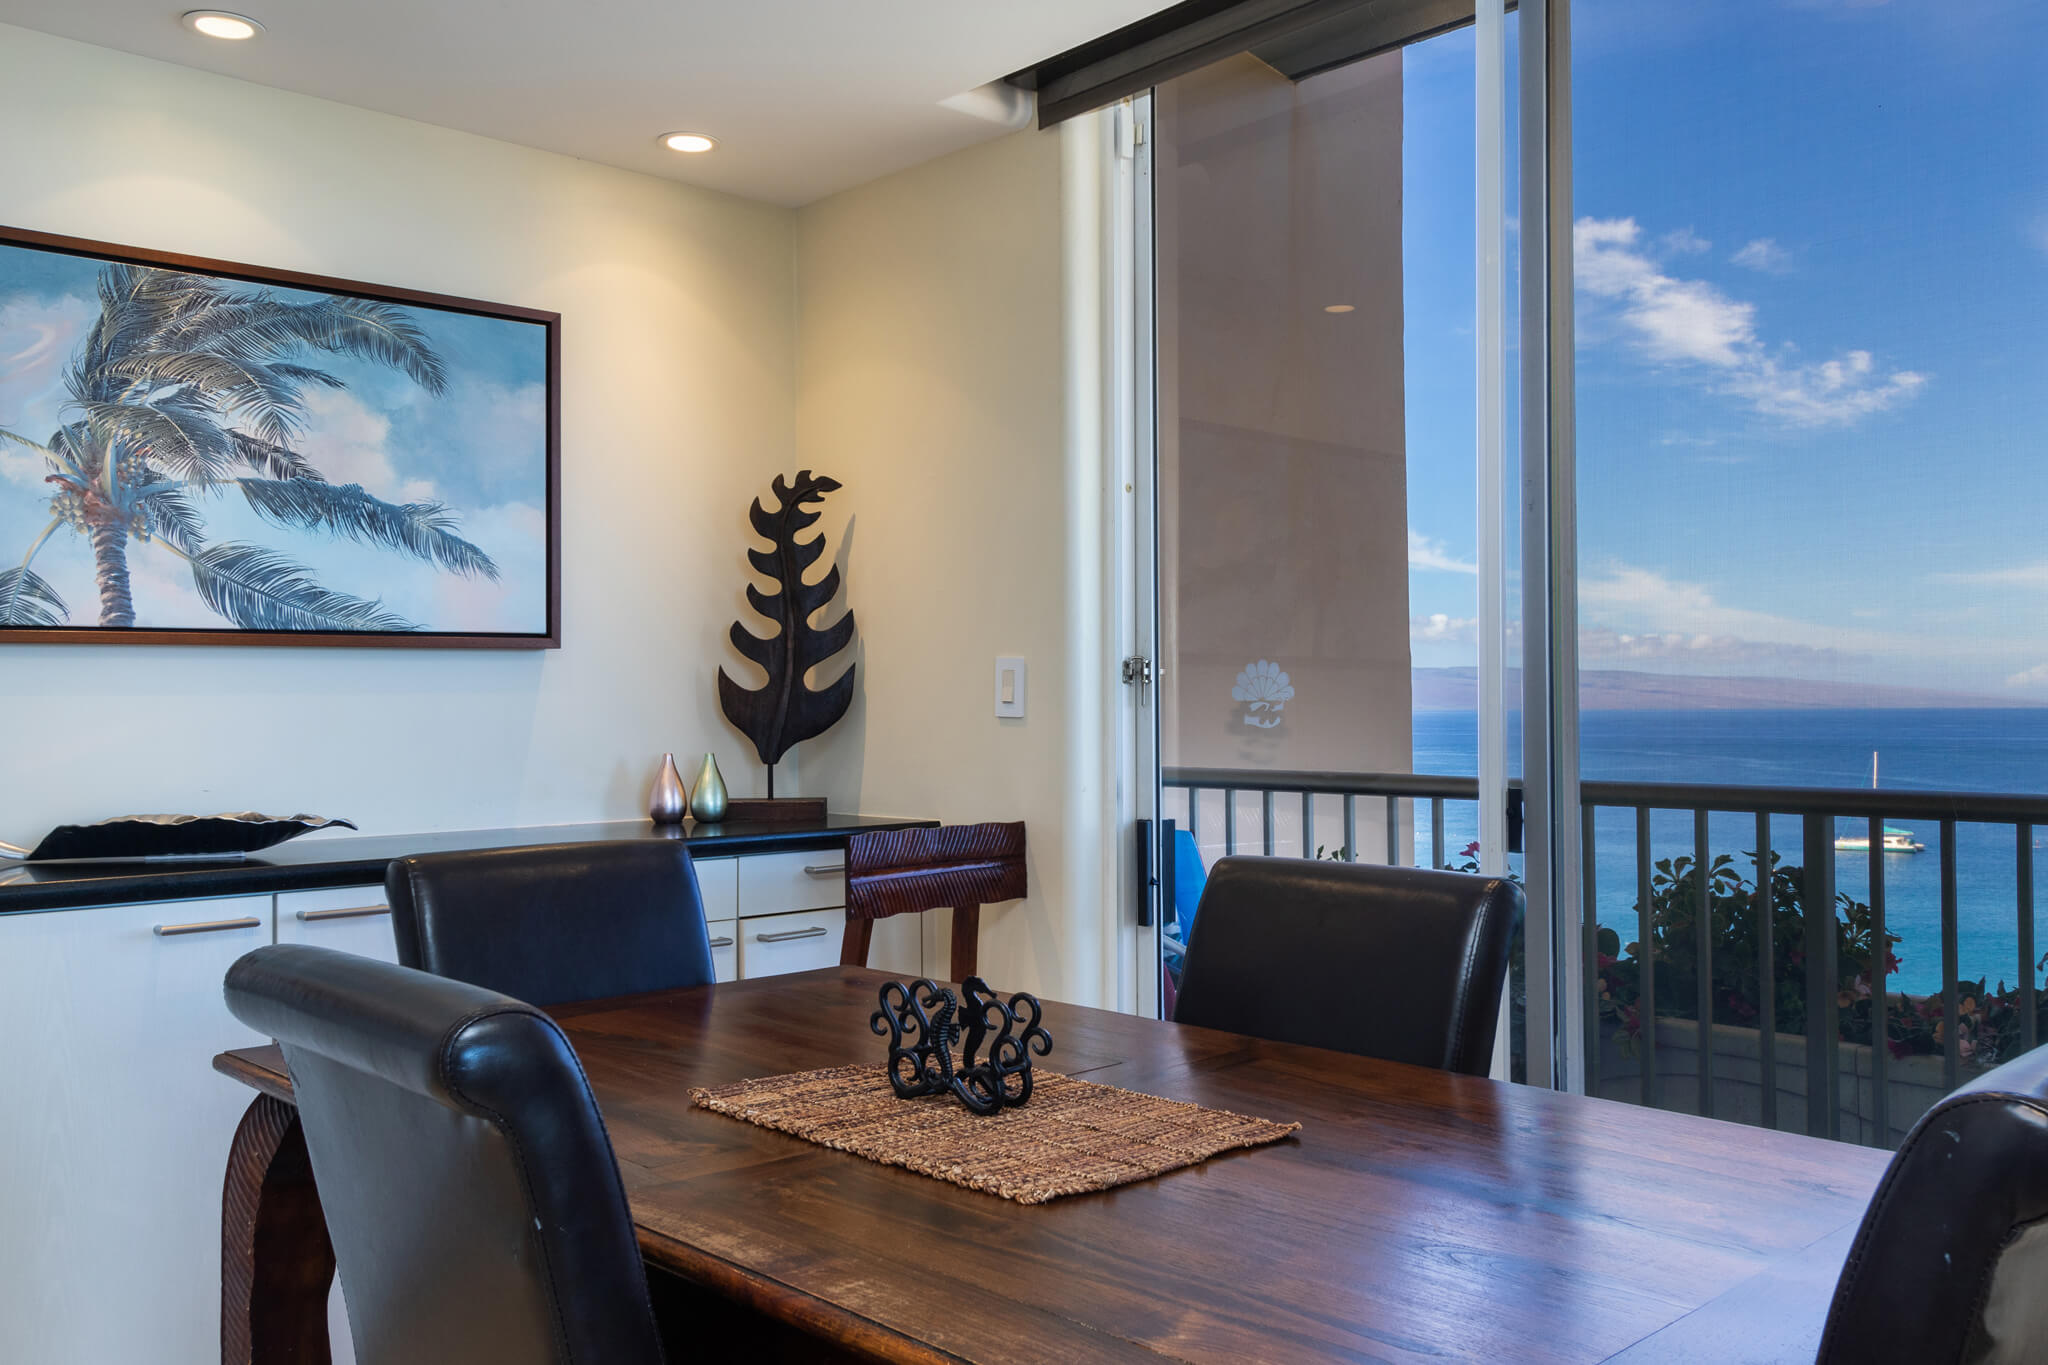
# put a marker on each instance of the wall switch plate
(1009, 686)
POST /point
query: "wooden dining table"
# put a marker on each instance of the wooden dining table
(1416, 1216)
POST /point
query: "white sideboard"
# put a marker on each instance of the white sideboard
(114, 1127)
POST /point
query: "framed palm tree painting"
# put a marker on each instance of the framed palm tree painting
(193, 451)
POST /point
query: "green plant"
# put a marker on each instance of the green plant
(1989, 1027)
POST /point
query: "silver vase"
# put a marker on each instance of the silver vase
(707, 798)
(668, 801)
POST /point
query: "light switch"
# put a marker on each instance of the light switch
(1009, 686)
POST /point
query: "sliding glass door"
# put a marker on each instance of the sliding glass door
(1811, 256)
(1649, 382)
(1332, 368)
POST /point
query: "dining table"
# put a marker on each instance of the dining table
(1416, 1215)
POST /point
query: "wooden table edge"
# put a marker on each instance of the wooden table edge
(772, 1298)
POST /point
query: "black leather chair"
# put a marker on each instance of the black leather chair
(1388, 962)
(554, 923)
(467, 1179)
(1951, 1262)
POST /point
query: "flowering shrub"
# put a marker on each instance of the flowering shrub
(1988, 1022)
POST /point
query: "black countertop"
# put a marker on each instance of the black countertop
(358, 860)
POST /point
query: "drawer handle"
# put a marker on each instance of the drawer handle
(815, 931)
(828, 870)
(721, 943)
(211, 926)
(352, 912)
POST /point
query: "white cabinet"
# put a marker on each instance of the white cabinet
(772, 883)
(354, 919)
(725, 952)
(771, 945)
(718, 886)
(114, 1127)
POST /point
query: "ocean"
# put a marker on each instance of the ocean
(1981, 750)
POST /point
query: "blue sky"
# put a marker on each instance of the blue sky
(1812, 259)
(478, 448)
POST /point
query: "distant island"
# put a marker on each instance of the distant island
(1456, 689)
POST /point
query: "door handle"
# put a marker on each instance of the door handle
(213, 926)
(721, 942)
(827, 870)
(815, 931)
(352, 912)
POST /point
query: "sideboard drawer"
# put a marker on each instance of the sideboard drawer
(718, 884)
(774, 883)
(771, 945)
(725, 948)
(354, 919)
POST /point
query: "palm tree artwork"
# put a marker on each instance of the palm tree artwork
(186, 389)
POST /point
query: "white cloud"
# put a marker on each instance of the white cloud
(1675, 320)
(1691, 323)
(37, 339)
(1425, 553)
(1637, 612)
(2037, 676)
(348, 443)
(1440, 628)
(1829, 394)
(1766, 255)
(1686, 242)
(2019, 576)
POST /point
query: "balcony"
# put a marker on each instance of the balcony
(1678, 1005)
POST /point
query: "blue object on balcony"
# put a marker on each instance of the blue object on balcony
(1189, 879)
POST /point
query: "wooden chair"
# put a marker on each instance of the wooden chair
(909, 871)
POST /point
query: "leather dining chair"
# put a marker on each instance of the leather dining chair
(1951, 1261)
(1389, 962)
(554, 923)
(467, 1180)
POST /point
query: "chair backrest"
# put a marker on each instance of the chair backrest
(554, 923)
(1388, 962)
(907, 871)
(1951, 1262)
(466, 1177)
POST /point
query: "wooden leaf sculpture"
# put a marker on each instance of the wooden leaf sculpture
(785, 712)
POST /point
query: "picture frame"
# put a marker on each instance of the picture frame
(228, 454)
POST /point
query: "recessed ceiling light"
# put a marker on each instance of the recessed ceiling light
(218, 23)
(688, 142)
(1340, 308)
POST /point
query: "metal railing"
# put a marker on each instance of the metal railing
(1817, 809)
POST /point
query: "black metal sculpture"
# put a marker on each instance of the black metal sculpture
(785, 712)
(924, 1020)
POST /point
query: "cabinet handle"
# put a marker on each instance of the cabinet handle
(721, 943)
(352, 912)
(210, 926)
(828, 870)
(815, 931)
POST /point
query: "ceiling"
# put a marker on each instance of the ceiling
(804, 96)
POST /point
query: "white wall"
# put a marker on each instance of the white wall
(942, 310)
(678, 367)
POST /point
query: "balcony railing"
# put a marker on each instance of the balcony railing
(1672, 933)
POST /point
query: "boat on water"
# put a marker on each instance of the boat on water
(1896, 840)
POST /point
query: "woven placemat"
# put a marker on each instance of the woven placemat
(1073, 1137)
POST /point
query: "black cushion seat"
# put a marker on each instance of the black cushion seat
(467, 1180)
(1391, 962)
(554, 923)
